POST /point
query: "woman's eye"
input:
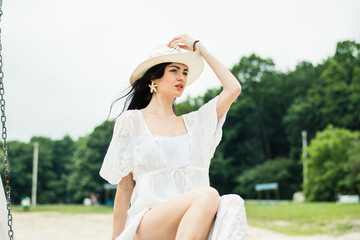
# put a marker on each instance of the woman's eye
(185, 73)
(173, 70)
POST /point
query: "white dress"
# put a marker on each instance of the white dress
(159, 176)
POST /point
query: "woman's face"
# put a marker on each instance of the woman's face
(174, 80)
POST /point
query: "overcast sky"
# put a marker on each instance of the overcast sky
(65, 61)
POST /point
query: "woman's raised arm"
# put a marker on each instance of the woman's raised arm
(231, 86)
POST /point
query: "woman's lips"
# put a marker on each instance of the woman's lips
(179, 86)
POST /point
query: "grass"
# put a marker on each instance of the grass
(66, 209)
(304, 218)
(287, 217)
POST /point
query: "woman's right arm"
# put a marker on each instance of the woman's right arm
(121, 204)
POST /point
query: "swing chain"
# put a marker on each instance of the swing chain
(4, 136)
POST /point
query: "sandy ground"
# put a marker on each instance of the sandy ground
(56, 226)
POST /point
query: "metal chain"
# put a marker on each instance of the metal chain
(4, 136)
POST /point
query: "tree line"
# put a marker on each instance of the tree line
(261, 136)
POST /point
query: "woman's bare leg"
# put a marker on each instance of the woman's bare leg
(197, 220)
(188, 216)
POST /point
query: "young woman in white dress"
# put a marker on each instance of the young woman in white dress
(189, 215)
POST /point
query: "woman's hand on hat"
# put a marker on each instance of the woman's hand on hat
(184, 41)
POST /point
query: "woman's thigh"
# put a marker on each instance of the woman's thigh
(162, 221)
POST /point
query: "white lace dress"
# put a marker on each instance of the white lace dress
(165, 167)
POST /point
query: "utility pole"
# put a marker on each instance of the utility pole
(35, 172)
(304, 153)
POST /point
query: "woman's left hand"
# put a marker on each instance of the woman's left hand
(184, 41)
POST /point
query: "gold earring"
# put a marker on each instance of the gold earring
(153, 87)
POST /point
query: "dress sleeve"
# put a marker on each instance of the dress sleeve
(210, 126)
(118, 161)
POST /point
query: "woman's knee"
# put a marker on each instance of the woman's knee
(209, 199)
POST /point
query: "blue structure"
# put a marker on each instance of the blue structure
(109, 201)
(267, 187)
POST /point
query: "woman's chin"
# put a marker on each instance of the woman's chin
(179, 94)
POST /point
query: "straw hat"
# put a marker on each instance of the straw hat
(163, 53)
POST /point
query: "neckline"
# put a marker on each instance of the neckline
(156, 145)
(179, 136)
(148, 129)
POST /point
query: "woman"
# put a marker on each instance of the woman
(160, 161)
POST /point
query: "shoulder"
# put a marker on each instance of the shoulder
(126, 120)
(126, 116)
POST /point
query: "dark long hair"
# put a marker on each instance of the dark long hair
(139, 95)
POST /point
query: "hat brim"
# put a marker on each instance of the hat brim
(192, 60)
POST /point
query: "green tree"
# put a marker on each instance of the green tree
(63, 151)
(281, 170)
(333, 98)
(89, 155)
(20, 167)
(328, 164)
(352, 167)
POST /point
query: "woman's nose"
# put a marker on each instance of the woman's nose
(181, 77)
